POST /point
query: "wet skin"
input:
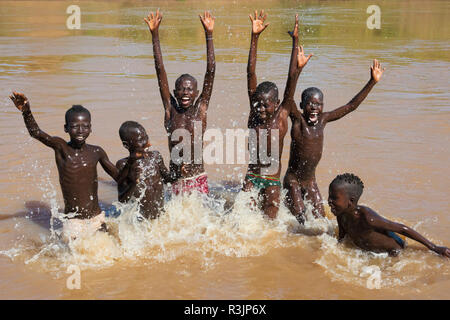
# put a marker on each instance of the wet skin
(183, 108)
(76, 160)
(143, 171)
(266, 112)
(307, 134)
(367, 229)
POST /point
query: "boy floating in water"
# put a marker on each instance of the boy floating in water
(142, 174)
(268, 116)
(307, 145)
(77, 165)
(183, 111)
(365, 227)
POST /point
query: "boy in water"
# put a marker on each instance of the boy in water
(142, 174)
(182, 110)
(307, 145)
(77, 165)
(267, 116)
(365, 227)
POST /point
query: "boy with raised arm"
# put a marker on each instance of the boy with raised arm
(183, 110)
(268, 118)
(77, 165)
(142, 174)
(368, 230)
(307, 145)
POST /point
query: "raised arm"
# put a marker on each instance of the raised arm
(21, 102)
(297, 62)
(208, 24)
(258, 26)
(107, 165)
(378, 222)
(153, 21)
(375, 75)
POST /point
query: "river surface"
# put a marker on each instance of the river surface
(397, 142)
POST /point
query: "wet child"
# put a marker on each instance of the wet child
(307, 145)
(268, 117)
(183, 110)
(365, 227)
(143, 173)
(77, 165)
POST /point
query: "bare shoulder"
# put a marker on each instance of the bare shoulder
(369, 214)
(121, 163)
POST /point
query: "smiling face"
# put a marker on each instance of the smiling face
(185, 91)
(338, 199)
(78, 127)
(312, 108)
(265, 103)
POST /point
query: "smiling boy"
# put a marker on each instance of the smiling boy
(368, 230)
(183, 109)
(307, 144)
(269, 117)
(76, 162)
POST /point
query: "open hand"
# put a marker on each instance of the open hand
(376, 71)
(153, 21)
(207, 21)
(301, 59)
(20, 101)
(258, 25)
(294, 33)
(443, 251)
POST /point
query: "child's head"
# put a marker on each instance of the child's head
(312, 104)
(265, 99)
(185, 90)
(78, 123)
(344, 193)
(133, 136)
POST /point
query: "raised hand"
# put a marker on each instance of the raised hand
(20, 101)
(294, 33)
(376, 70)
(258, 25)
(301, 59)
(207, 21)
(443, 251)
(153, 21)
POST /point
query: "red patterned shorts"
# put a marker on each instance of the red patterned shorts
(198, 183)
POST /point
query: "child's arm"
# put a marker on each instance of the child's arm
(165, 174)
(258, 26)
(297, 62)
(375, 75)
(124, 167)
(153, 22)
(341, 229)
(378, 222)
(109, 168)
(21, 102)
(208, 24)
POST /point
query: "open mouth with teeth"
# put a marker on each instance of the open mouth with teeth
(185, 100)
(313, 117)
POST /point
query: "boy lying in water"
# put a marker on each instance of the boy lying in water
(365, 227)
(77, 166)
(143, 173)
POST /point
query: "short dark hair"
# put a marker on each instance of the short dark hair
(352, 184)
(266, 87)
(185, 76)
(77, 108)
(126, 127)
(309, 92)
